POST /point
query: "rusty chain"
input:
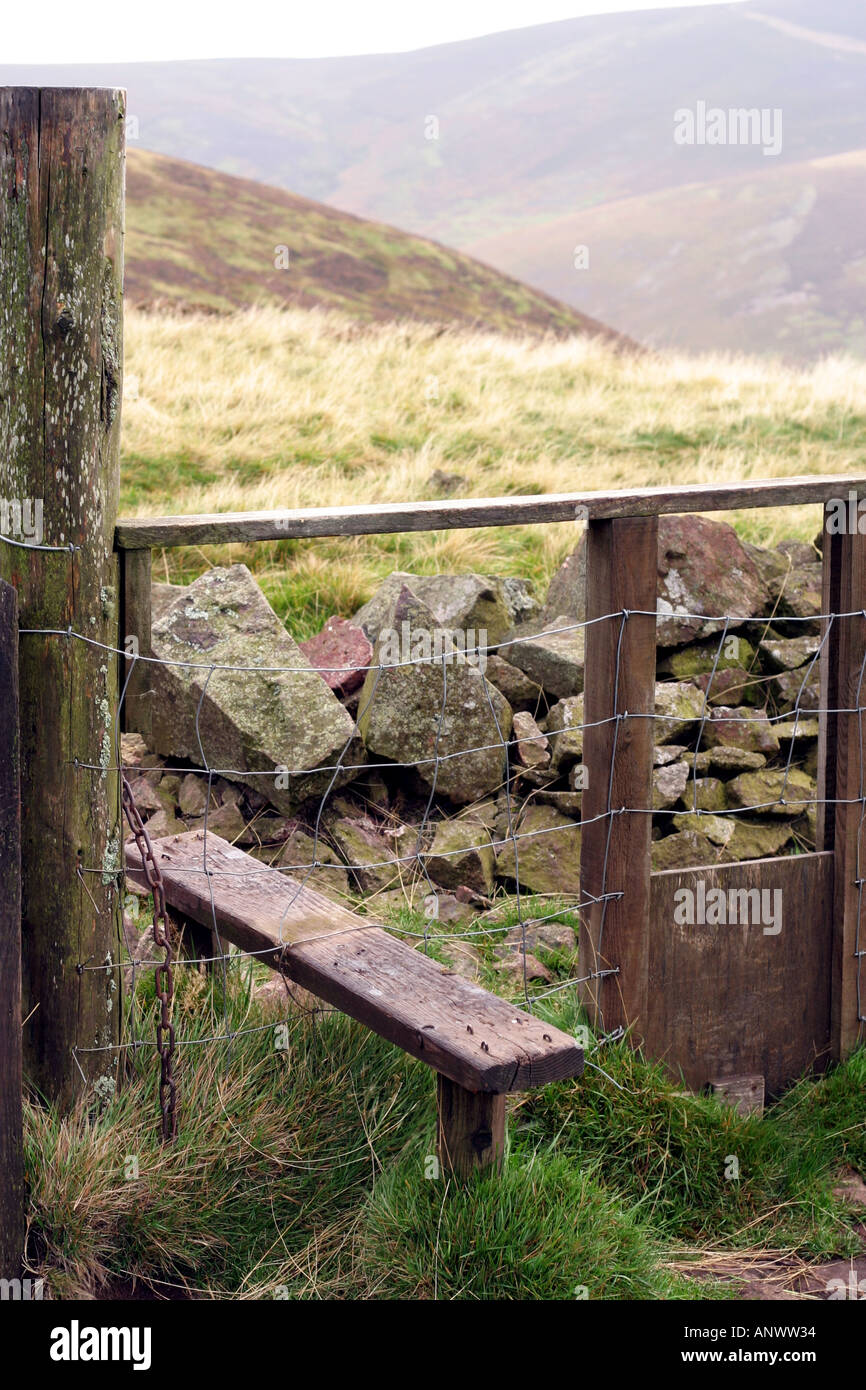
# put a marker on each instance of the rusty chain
(163, 973)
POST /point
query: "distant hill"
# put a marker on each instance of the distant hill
(204, 239)
(501, 145)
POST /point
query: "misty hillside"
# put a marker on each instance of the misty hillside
(542, 132)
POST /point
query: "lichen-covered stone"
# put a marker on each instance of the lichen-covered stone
(443, 709)
(788, 653)
(740, 727)
(703, 569)
(766, 788)
(679, 707)
(341, 654)
(700, 658)
(798, 689)
(564, 729)
(669, 783)
(250, 720)
(706, 794)
(550, 654)
(520, 692)
(548, 852)
(461, 854)
(531, 748)
(487, 602)
(733, 685)
(367, 852)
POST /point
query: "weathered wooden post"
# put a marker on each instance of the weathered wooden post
(619, 684)
(841, 771)
(61, 268)
(11, 1144)
(471, 1125)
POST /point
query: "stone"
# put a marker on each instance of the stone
(402, 717)
(706, 794)
(703, 569)
(569, 803)
(341, 653)
(679, 708)
(800, 598)
(564, 729)
(132, 749)
(667, 753)
(788, 653)
(520, 692)
(367, 852)
(741, 727)
(567, 590)
(732, 840)
(700, 658)
(145, 795)
(797, 553)
(770, 785)
(463, 958)
(798, 689)
(771, 565)
(532, 748)
(551, 654)
(225, 821)
(684, 850)
(669, 783)
(727, 759)
(477, 602)
(192, 796)
(797, 731)
(163, 823)
(554, 937)
(163, 597)
(461, 854)
(732, 684)
(517, 967)
(447, 908)
(547, 852)
(250, 721)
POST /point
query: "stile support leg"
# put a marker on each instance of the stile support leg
(471, 1128)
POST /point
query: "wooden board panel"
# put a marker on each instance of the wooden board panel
(734, 999)
(141, 533)
(469, 1035)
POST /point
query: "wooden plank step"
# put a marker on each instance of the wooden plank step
(459, 1029)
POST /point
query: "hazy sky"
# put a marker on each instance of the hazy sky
(68, 31)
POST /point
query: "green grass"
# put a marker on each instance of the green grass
(306, 1172)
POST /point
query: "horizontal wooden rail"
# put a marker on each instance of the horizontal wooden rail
(221, 528)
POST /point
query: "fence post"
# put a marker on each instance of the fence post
(841, 775)
(471, 1128)
(61, 264)
(11, 1142)
(619, 681)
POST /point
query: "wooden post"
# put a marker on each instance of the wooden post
(12, 1222)
(61, 355)
(842, 777)
(471, 1128)
(621, 574)
(135, 616)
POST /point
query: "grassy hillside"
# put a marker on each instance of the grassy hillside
(288, 408)
(198, 238)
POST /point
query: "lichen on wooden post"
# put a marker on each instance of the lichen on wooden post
(61, 356)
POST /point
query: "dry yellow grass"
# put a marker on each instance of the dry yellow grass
(271, 408)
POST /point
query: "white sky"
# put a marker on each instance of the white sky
(99, 31)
